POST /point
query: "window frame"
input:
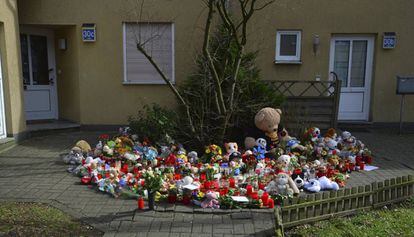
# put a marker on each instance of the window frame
(124, 46)
(289, 59)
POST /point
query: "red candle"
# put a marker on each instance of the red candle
(186, 200)
(271, 203)
(143, 183)
(172, 198)
(265, 198)
(232, 183)
(140, 203)
(203, 177)
(362, 165)
(261, 186)
(249, 189)
(255, 196)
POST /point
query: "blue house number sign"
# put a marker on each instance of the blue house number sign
(88, 32)
(389, 40)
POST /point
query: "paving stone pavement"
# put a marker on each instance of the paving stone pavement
(34, 172)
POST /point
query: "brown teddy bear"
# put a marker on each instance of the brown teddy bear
(267, 120)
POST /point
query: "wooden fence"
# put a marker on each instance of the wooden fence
(309, 103)
(325, 205)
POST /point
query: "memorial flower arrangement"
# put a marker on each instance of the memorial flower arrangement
(256, 177)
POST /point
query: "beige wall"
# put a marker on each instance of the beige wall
(103, 99)
(68, 74)
(10, 55)
(327, 17)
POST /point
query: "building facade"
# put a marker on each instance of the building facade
(77, 60)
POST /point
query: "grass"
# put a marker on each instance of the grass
(390, 221)
(33, 219)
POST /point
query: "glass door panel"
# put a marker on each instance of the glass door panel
(39, 57)
(341, 61)
(358, 66)
(25, 58)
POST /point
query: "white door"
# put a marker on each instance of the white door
(39, 73)
(351, 58)
(3, 132)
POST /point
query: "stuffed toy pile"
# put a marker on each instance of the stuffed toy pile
(265, 171)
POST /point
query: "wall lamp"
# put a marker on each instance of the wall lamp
(316, 44)
(63, 44)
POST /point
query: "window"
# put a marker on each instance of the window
(158, 39)
(288, 45)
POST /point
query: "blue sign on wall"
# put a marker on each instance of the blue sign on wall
(389, 40)
(88, 32)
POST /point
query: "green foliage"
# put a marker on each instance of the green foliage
(33, 219)
(386, 222)
(153, 181)
(155, 123)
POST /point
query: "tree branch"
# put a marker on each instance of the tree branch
(222, 106)
(172, 87)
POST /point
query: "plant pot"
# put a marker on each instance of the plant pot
(151, 200)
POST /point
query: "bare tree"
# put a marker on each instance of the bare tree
(235, 17)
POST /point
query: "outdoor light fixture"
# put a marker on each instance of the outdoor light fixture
(62, 44)
(316, 43)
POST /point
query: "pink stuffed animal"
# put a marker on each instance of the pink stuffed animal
(210, 201)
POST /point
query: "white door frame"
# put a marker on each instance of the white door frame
(29, 30)
(3, 130)
(368, 75)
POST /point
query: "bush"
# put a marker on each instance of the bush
(154, 123)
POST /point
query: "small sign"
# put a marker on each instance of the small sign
(389, 40)
(88, 32)
(405, 85)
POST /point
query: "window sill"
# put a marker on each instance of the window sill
(287, 62)
(130, 83)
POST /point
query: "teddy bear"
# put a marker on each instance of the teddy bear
(232, 151)
(283, 185)
(323, 183)
(284, 162)
(193, 157)
(210, 201)
(267, 120)
(83, 146)
(249, 143)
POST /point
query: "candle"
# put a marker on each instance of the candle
(140, 203)
(261, 186)
(255, 196)
(249, 189)
(232, 183)
(271, 203)
(265, 198)
(362, 165)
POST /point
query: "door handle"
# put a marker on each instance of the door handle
(51, 81)
(25, 87)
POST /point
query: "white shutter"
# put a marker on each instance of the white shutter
(159, 44)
